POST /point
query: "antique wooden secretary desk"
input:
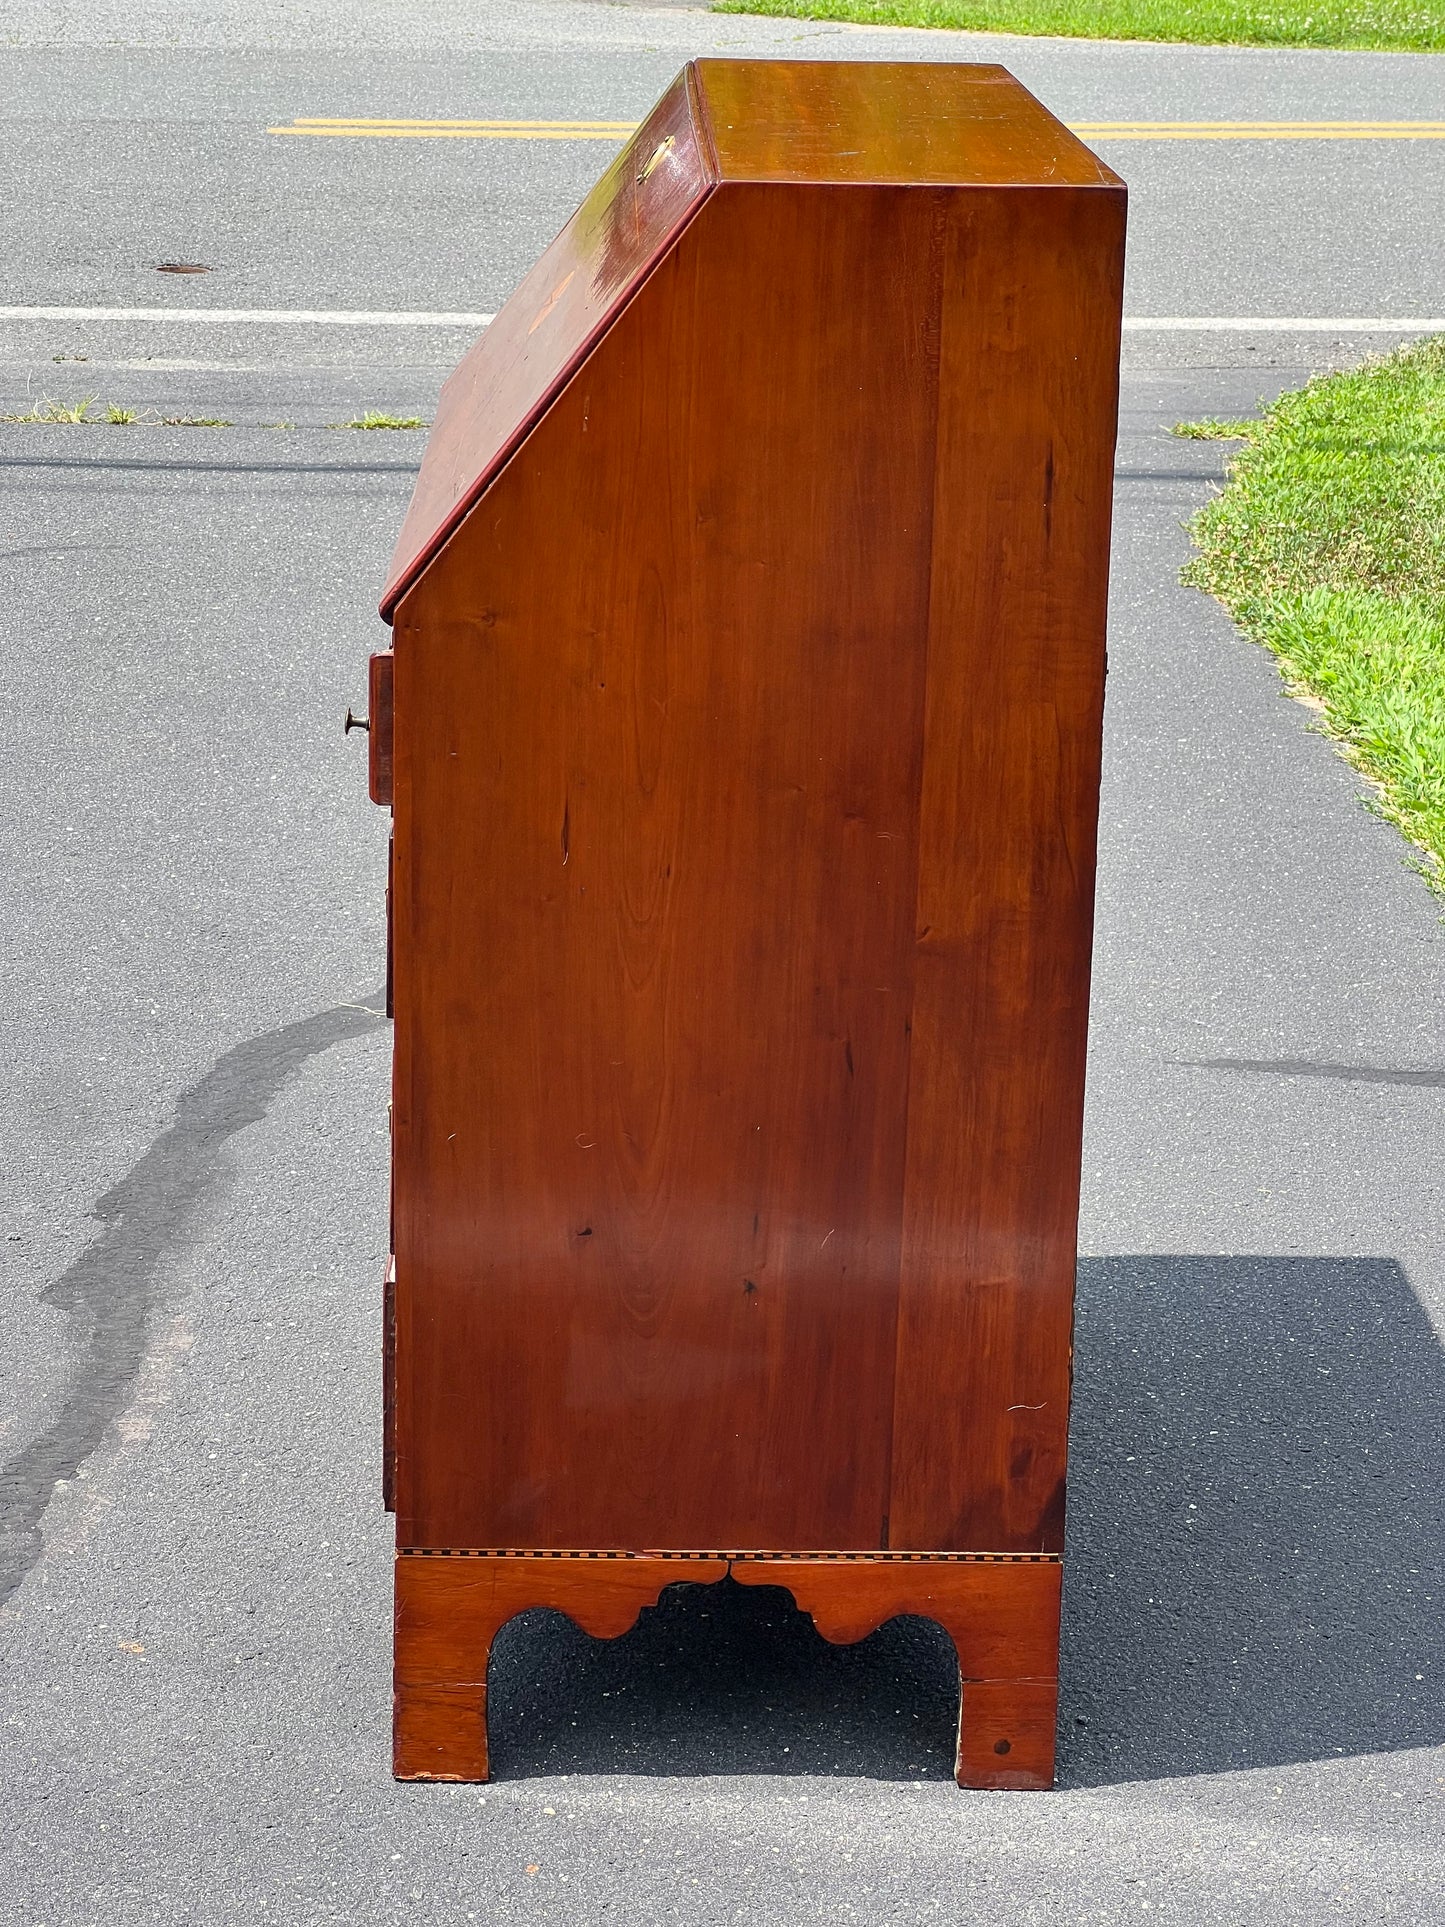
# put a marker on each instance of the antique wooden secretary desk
(742, 732)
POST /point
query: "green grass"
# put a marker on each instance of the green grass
(48, 412)
(81, 414)
(1212, 429)
(1411, 24)
(1327, 545)
(373, 420)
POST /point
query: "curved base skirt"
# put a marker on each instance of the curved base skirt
(1000, 1609)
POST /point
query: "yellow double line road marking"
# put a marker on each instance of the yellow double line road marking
(1102, 130)
(462, 130)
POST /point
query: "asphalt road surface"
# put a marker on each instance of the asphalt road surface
(195, 1563)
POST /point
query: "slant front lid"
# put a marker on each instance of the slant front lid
(549, 324)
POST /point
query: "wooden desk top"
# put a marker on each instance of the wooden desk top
(889, 123)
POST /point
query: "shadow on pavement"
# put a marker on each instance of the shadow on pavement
(721, 1679)
(1257, 1511)
(1258, 1516)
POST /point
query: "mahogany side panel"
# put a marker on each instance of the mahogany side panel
(449, 1610)
(550, 322)
(659, 716)
(1028, 396)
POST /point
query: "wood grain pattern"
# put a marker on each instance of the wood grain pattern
(876, 122)
(448, 1611)
(672, 730)
(380, 732)
(388, 1388)
(1006, 868)
(561, 309)
(1006, 1733)
(748, 680)
(1002, 1617)
(837, 123)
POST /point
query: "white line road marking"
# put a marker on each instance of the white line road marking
(427, 318)
(1282, 324)
(344, 128)
(270, 317)
(1261, 130)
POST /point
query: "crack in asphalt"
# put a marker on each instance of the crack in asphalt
(113, 1288)
(1305, 1067)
